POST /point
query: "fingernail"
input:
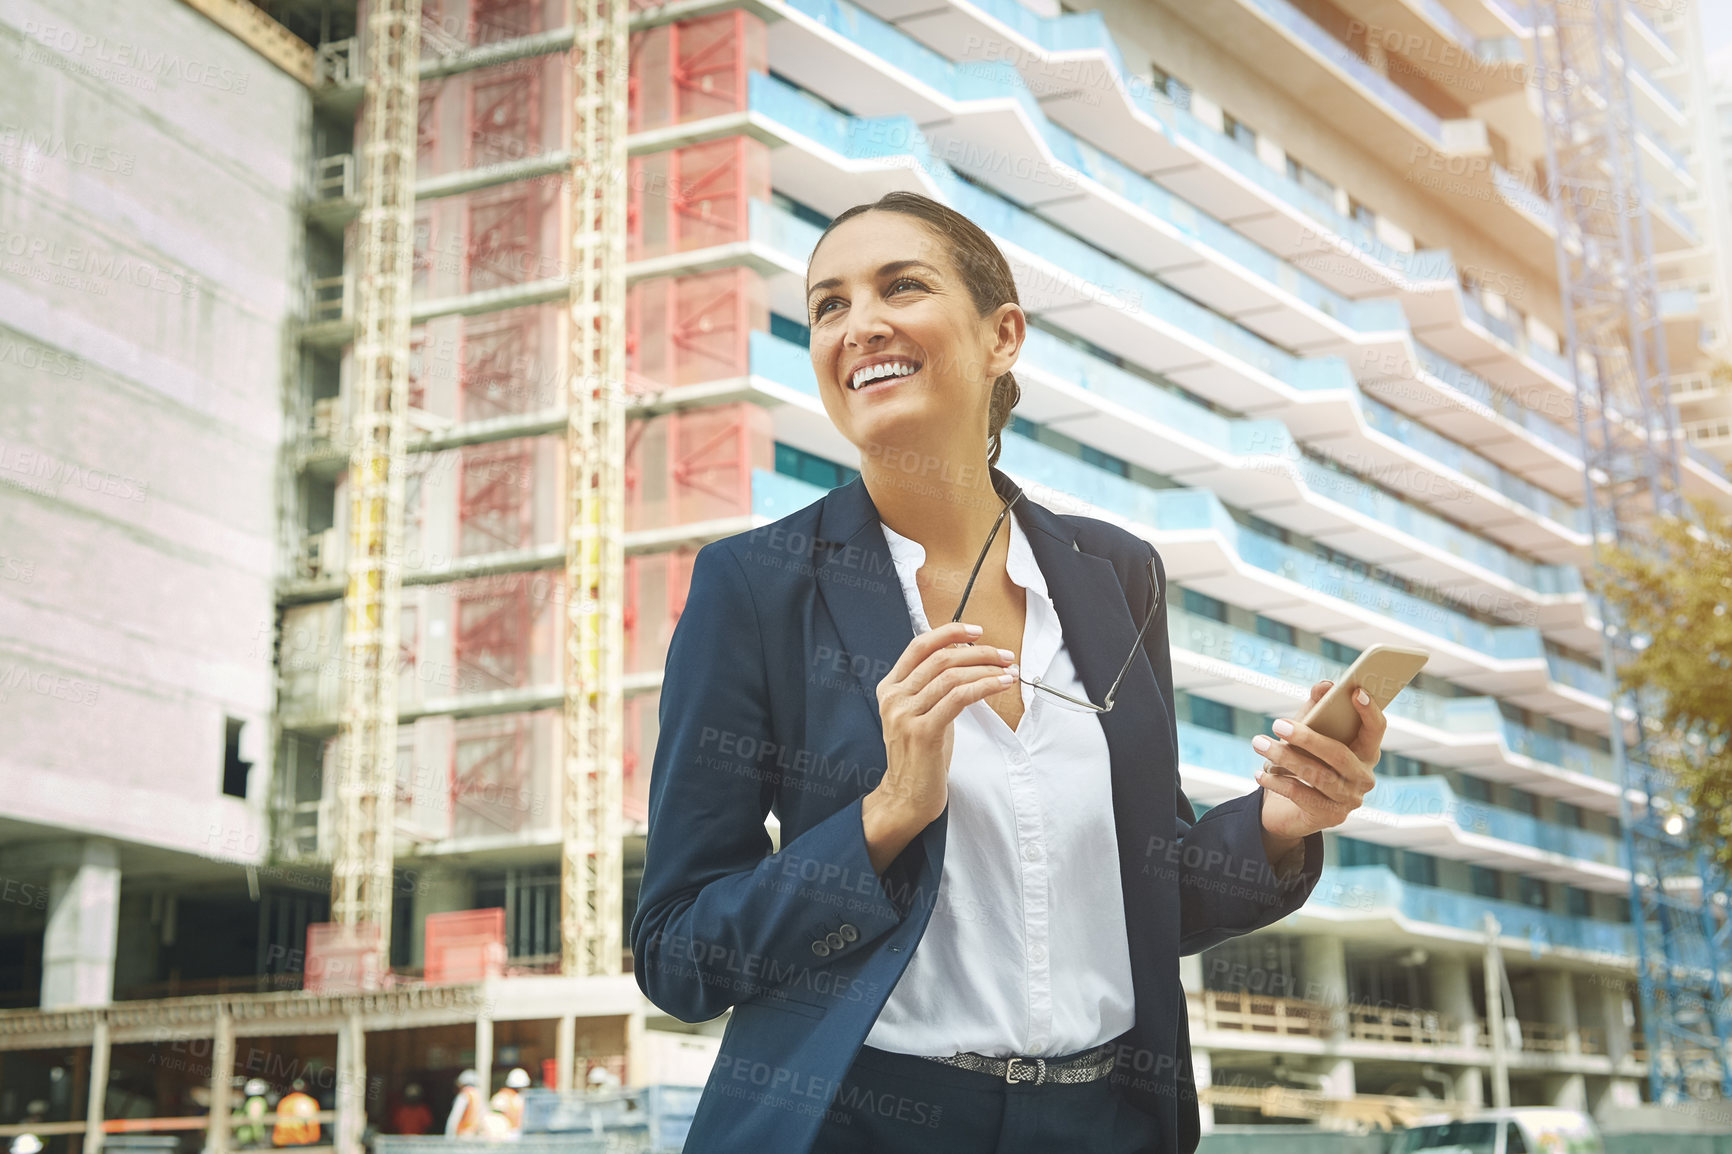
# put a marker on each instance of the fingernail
(1283, 728)
(973, 630)
(1007, 655)
(1327, 684)
(1013, 669)
(1261, 744)
(1362, 698)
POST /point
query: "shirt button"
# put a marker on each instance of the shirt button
(1038, 953)
(1031, 852)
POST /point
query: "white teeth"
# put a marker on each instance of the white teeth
(874, 372)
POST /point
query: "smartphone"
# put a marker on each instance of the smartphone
(1382, 671)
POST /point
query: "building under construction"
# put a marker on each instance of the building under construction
(371, 373)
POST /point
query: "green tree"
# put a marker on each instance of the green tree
(1675, 594)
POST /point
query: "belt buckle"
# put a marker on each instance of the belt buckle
(1039, 1065)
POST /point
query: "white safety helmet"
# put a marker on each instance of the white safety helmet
(518, 1079)
(257, 1088)
(27, 1144)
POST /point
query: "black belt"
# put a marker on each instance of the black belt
(1088, 1066)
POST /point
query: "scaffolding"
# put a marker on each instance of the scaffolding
(1617, 349)
(361, 856)
(591, 870)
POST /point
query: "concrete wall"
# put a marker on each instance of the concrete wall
(150, 170)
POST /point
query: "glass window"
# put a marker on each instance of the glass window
(815, 470)
(1485, 882)
(1455, 1137)
(1211, 715)
(1533, 892)
(1239, 131)
(1475, 788)
(1364, 853)
(1514, 1143)
(1581, 902)
(790, 330)
(1274, 630)
(1522, 801)
(1205, 606)
(1418, 868)
(1335, 651)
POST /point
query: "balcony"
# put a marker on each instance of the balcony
(1424, 814)
(1139, 318)
(1348, 894)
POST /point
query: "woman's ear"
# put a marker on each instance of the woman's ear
(1009, 329)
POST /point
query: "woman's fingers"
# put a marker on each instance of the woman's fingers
(1368, 744)
(928, 643)
(1318, 806)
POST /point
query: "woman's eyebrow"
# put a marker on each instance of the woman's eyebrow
(883, 271)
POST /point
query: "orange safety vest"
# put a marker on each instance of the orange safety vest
(509, 1103)
(297, 1121)
(473, 1110)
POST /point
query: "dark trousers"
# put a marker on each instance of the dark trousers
(900, 1104)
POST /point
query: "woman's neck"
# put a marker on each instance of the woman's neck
(949, 510)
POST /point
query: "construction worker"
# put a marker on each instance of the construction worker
(297, 1118)
(469, 1110)
(27, 1142)
(250, 1114)
(412, 1115)
(508, 1103)
(602, 1080)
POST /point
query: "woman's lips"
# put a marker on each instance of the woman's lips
(884, 381)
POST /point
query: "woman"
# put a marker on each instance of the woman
(969, 938)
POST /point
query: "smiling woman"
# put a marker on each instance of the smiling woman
(972, 948)
(956, 263)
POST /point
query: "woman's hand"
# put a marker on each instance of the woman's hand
(938, 675)
(1313, 782)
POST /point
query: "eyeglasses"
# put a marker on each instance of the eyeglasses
(1058, 697)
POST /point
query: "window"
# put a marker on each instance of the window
(1211, 715)
(1240, 132)
(1205, 606)
(1581, 902)
(1361, 213)
(1514, 1143)
(1522, 801)
(1533, 892)
(1475, 788)
(1418, 868)
(1570, 816)
(1335, 651)
(1363, 853)
(1396, 765)
(813, 469)
(790, 330)
(1485, 882)
(235, 771)
(1274, 630)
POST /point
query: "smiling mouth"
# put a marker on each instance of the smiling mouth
(890, 372)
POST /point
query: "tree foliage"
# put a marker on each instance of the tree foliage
(1677, 595)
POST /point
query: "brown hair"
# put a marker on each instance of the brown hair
(983, 269)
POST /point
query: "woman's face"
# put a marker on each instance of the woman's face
(885, 293)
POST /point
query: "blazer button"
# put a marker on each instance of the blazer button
(821, 948)
(834, 940)
(848, 932)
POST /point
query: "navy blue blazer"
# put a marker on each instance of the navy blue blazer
(770, 705)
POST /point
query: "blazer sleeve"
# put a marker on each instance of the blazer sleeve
(720, 919)
(1227, 885)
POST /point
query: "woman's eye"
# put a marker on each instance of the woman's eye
(823, 306)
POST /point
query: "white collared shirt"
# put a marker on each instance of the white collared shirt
(1026, 951)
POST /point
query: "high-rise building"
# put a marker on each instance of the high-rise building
(1294, 318)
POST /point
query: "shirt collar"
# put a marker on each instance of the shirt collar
(908, 555)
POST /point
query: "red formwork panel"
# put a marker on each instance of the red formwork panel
(696, 465)
(343, 959)
(464, 946)
(495, 237)
(642, 724)
(500, 496)
(496, 115)
(656, 585)
(690, 329)
(505, 774)
(694, 68)
(694, 197)
(473, 368)
(507, 629)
